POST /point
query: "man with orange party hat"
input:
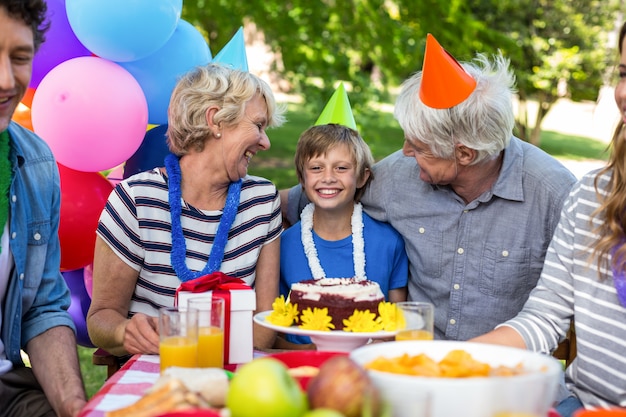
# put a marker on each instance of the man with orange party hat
(335, 238)
(475, 205)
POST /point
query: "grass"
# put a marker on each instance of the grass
(573, 147)
(93, 376)
(384, 137)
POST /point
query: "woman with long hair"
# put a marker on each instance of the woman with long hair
(584, 280)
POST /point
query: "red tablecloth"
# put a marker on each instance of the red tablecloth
(125, 386)
(129, 383)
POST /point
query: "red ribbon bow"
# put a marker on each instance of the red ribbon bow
(220, 284)
(211, 282)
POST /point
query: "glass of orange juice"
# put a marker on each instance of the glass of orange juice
(178, 337)
(414, 320)
(210, 330)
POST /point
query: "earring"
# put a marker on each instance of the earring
(218, 135)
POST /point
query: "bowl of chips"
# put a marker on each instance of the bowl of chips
(461, 378)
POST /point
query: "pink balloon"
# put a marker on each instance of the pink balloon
(92, 113)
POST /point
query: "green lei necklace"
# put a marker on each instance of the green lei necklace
(5, 179)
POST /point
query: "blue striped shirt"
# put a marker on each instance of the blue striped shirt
(136, 224)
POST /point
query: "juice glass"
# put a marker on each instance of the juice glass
(210, 330)
(178, 337)
(414, 320)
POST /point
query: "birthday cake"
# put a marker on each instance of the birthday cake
(341, 296)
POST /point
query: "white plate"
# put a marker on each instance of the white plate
(333, 340)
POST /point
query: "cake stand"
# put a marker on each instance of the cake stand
(333, 340)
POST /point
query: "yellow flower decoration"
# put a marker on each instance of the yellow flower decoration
(284, 313)
(387, 314)
(362, 321)
(318, 319)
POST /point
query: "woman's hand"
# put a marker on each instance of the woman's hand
(141, 335)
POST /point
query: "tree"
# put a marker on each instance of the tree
(369, 44)
(557, 47)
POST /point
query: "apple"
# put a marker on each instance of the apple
(264, 388)
(342, 385)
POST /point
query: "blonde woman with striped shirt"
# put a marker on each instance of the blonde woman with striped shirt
(199, 214)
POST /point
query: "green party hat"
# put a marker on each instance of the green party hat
(337, 110)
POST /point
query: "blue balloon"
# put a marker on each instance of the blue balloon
(123, 30)
(158, 73)
(79, 305)
(234, 52)
(150, 154)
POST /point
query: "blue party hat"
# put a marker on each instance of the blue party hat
(234, 52)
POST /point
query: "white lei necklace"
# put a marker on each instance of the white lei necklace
(358, 245)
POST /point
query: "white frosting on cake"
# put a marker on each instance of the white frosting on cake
(348, 288)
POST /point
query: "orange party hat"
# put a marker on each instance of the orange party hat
(337, 110)
(445, 83)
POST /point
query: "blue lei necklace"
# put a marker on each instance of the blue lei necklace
(179, 247)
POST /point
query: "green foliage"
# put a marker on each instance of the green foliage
(557, 47)
(556, 40)
(369, 44)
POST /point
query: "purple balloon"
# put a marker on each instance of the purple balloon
(80, 304)
(60, 45)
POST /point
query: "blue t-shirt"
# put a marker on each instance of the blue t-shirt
(385, 259)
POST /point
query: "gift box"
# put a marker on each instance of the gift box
(240, 302)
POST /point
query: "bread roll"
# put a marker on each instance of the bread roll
(210, 383)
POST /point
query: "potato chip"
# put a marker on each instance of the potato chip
(456, 364)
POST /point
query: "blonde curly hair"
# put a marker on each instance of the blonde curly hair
(213, 85)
